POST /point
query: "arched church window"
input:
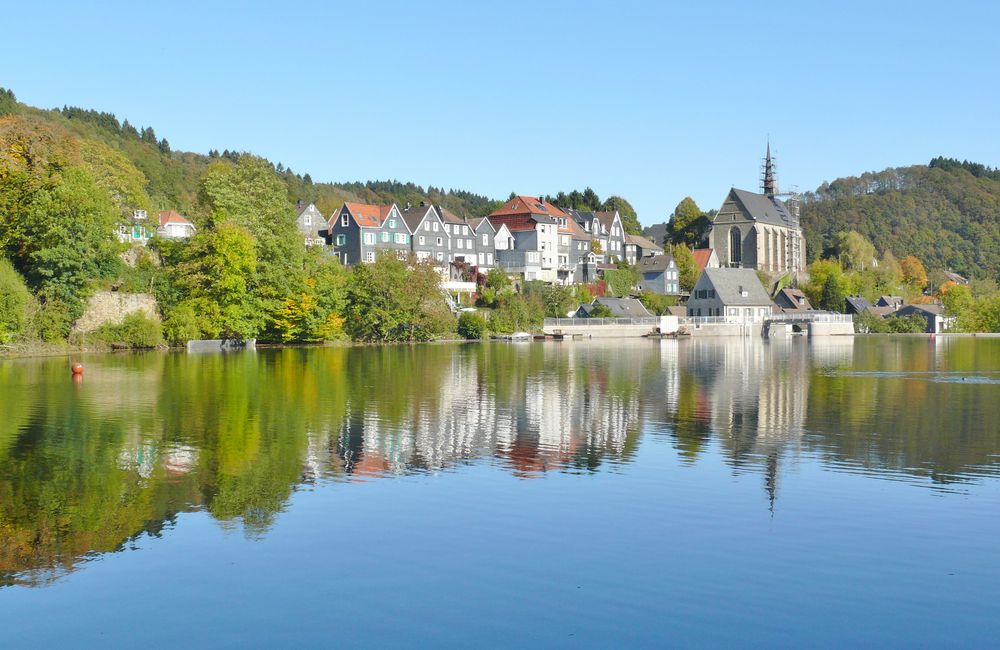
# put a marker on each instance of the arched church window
(735, 246)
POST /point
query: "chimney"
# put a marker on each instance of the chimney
(407, 205)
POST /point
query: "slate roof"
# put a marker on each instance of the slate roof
(930, 308)
(620, 307)
(728, 282)
(763, 209)
(642, 242)
(414, 216)
(701, 257)
(796, 299)
(889, 301)
(655, 263)
(448, 216)
(301, 206)
(657, 232)
(478, 221)
(577, 231)
(858, 303)
(606, 218)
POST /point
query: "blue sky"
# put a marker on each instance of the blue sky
(652, 101)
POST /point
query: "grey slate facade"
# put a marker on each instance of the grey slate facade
(358, 232)
(429, 238)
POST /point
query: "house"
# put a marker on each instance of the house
(310, 223)
(583, 259)
(637, 248)
(358, 231)
(894, 302)
(174, 226)
(620, 308)
(484, 235)
(135, 230)
(429, 239)
(659, 274)
(542, 239)
(705, 258)
(733, 293)
(463, 239)
(611, 223)
(937, 322)
(955, 277)
(758, 231)
(856, 304)
(789, 299)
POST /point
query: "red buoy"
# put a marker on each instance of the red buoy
(77, 368)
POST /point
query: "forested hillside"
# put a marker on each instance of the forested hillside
(173, 176)
(946, 213)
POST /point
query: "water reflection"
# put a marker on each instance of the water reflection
(87, 468)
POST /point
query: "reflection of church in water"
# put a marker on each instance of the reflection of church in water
(572, 407)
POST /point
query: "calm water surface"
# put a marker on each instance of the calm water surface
(616, 494)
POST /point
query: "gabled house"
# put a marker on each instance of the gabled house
(856, 305)
(592, 226)
(735, 294)
(611, 223)
(358, 231)
(789, 299)
(892, 302)
(583, 259)
(463, 238)
(310, 223)
(637, 248)
(659, 274)
(540, 252)
(619, 307)
(937, 322)
(485, 235)
(705, 258)
(174, 226)
(429, 239)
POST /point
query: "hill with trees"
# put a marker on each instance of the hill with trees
(946, 213)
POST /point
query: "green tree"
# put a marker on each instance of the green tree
(630, 220)
(15, 303)
(601, 310)
(656, 303)
(855, 251)
(472, 326)
(833, 295)
(687, 268)
(218, 278)
(688, 225)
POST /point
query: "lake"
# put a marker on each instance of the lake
(626, 493)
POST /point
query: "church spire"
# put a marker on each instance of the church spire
(768, 183)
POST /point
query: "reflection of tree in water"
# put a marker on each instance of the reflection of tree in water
(93, 468)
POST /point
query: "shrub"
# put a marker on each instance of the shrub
(472, 326)
(620, 281)
(181, 324)
(136, 331)
(656, 303)
(15, 302)
(517, 313)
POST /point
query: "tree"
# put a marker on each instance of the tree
(688, 224)
(656, 303)
(219, 278)
(600, 310)
(114, 173)
(914, 273)
(15, 303)
(389, 300)
(472, 326)
(833, 295)
(630, 220)
(855, 251)
(687, 268)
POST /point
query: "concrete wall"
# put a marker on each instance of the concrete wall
(112, 307)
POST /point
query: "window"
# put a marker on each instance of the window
(486, 239)
(458, 243)
(385, 236)
(435, 226)
(370, 256)
(369, 238)
(440, 256)
(465, 230)
(392, 223)
(735, 246)
(308, 220)
(565, 240)
(421, 240)
(468, 243)
(400, 237)
(447, 228)
(439, 241)
(344, 220)
(427, 226)
(341, 240)
(489, 259)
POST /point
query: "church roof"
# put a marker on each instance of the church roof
(764, 209)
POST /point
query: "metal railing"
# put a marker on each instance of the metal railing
(701, 320)
(591, 322)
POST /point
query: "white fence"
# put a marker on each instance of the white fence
(816, 317)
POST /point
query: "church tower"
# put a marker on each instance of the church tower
(769, 184)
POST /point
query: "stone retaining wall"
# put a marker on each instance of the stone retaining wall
(112, 307)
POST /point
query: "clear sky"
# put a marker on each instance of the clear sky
(649, 100)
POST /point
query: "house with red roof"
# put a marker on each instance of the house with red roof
(174, 226)
(542, 239)
(705, 258)
(358, 231)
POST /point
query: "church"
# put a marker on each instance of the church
(759, 231)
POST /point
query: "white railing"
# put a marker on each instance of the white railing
(593, 322)
(814, 317)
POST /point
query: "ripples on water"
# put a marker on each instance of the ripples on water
(638, 434)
